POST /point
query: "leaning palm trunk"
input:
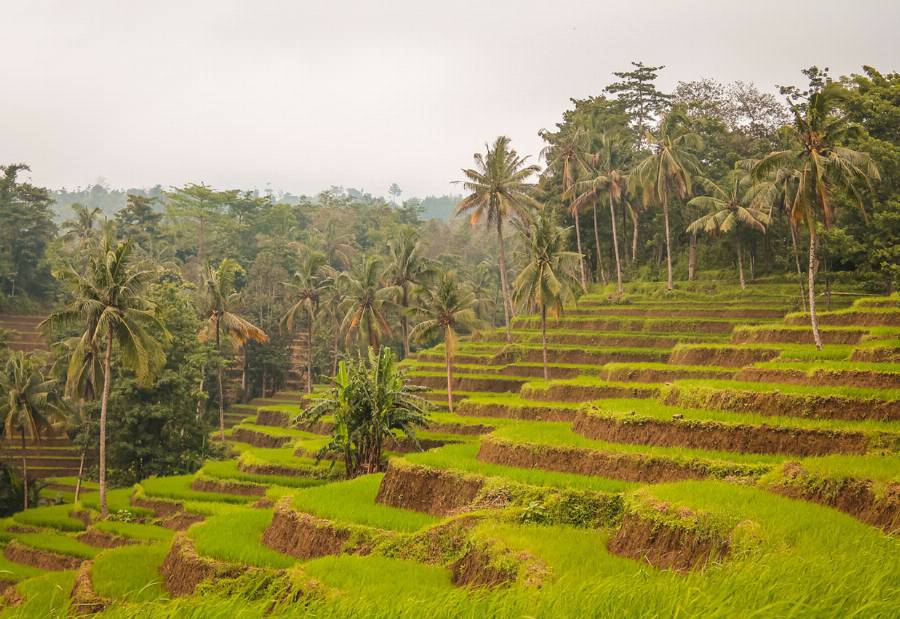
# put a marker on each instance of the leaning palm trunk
(221, 389)
(309, 356)
(797, 263)
(634, 235)
(448, 359)
(580, 255)
(504, 285)
(601, 272)
(740, 264)
(615, 236)
(24, 471)
(669, 285)
(544, 341)
(692, 258)
(104, 404)
(80, 475)
(813, 263)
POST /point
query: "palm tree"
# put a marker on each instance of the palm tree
(81, 229)
(548, 279)
(365, 301)
(447, 308)
(406, 267)
(371, 402)
(306, 286)
(821, 166)
(499, 191)
(109, 304)
(218, 295)
(607, 166)
(567, 155)
(29, 405)
(732, 206)
(668, 169)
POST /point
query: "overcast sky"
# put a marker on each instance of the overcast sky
(300, 95)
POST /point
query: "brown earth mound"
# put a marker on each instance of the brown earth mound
(586, 357)
(852, 496)
(850, 319)
(880, 354)
(729, 357)
(306, 537)
(103, 539)
(43, 559)
(183, 569)
(272, 469)
(568, 392)
(465, 383)
(664, 545)
(463, 429)
(833, 378)
(537, 371)
(774, 335)
(181, 521)
(258, 439)
(274, 418)
(203, 484)
(625, 466)
(530, 413)
(478, 568)
(659, 375)
(777, 403)
(160, 507)
(84, 600)
(427, 490)
(722, 437)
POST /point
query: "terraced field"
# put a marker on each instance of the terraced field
(692, 454)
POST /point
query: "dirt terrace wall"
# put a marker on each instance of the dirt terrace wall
(428, 490)
(722, 437)
(850, 319)
(463, 429)
(537, 371)
(258, 439)
(504, 411)
(777, 403)
(631, 324)
(730, 357)
(102, 539)
(567, 392)
(774, 335)
(681, 312)
(880, 354)
(304, 536)
(585, 357)
(666, 545)
(274, 418)
(625, 466)
(833, 378)
(84, 600)
(183, 569)
(660, 375)
(203, 484)
(43, 559)
(491, 385)
(852, 496)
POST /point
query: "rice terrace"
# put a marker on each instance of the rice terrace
(638, 356)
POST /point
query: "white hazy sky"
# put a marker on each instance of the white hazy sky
(303, 94)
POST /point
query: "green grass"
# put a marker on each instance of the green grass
(46, 595)
(58, 543)
(353, 501)
(407, 582)
(235, 536)
(53, 517)
(178, 488)
(134, 530)
(117, 500)
(12, 571)
(130, 573)
(812, 366)
(228, 469)
(463, 458)
(884, 469)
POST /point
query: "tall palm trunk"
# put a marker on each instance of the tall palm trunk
(669, 285)
(580, 255)
(449, 362)
(104, 403)
(335, 347)
(615, 235)
(601, 272)
(404, 321)
(634, 235)
(221, 389)
(309, 357)
(24, 470)
(811, 285)
(244, 374)
(504, 285)
(544, 341)
(797, 263)
(692, 258)
(740, 263)
(80, 475)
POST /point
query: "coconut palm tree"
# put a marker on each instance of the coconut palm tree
(667, 171)
(549, 278)
(109, 305)
(29, 405)
(306, 288)
(499, 191)
(366, 300)
(607, 175)
(732, 206)
(406, 267)
(446, 309)
(567, 155)
(822, 165)
(218, 295)
(81, 229)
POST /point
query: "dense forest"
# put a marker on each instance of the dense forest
(633, 184)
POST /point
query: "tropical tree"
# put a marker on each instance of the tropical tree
(406, 267)
(499, 191)
(607, 175)
(81, 229)
(29, 405)
(732, 206)
(567, 155)
(668, 170)
(446, 309)
(109, 306)
(373, 404)
(366, 300)
(822, 166)
(306, 288)
(218, 289)
(548, 279)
